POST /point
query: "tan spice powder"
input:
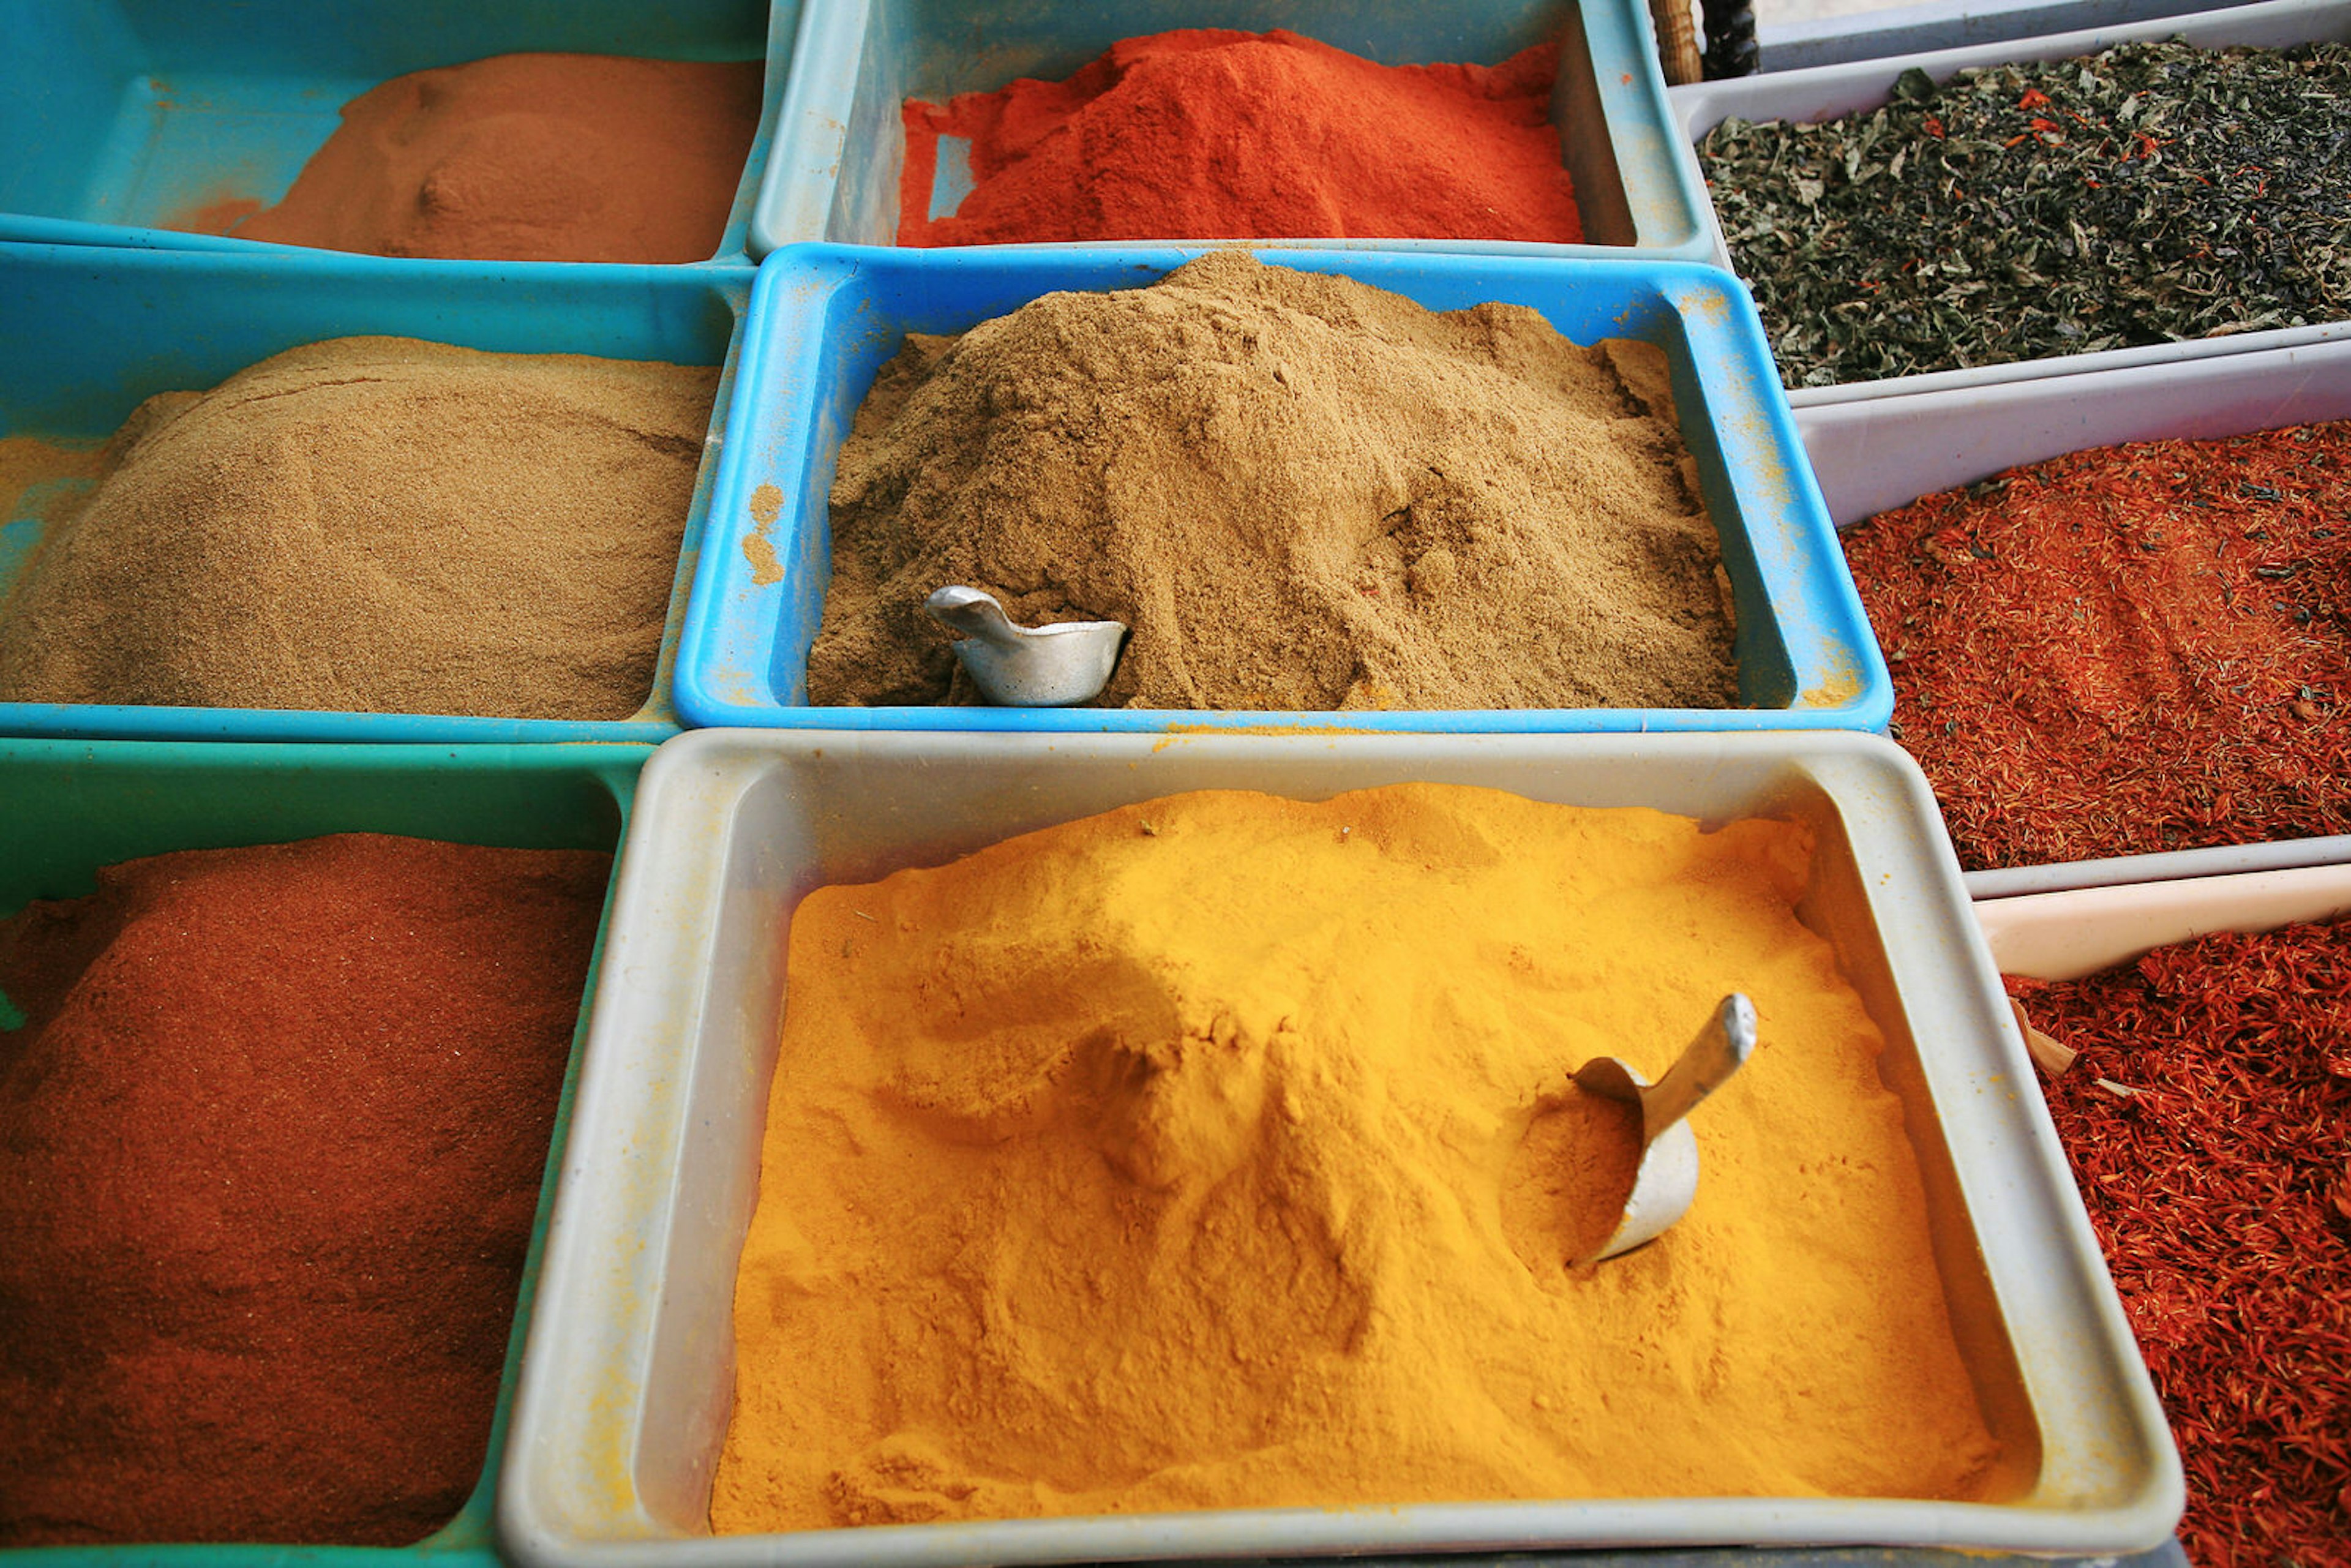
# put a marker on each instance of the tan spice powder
(1299, 492)
(375, 525)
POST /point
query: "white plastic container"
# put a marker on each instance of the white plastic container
(627, 1385)
(1874, 454)
(1829, 92)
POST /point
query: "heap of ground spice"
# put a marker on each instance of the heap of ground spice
(1299, 492)
(273, 1122)
(1228, 1132)
(2209, 1121)
(1211, 134)
(375, 525)
(2127, 648)
(523, 158)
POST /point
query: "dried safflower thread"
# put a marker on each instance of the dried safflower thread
(2215, 1185)
(2128, 649)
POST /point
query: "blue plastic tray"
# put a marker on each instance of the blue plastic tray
(825, 318)
(118, 113)
(86, 333)
(75, 807)
(841, 145)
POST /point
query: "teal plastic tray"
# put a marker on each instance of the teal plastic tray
(841, 145)
(86, 333)
(73, 807)
(825, 318)
(118, 113)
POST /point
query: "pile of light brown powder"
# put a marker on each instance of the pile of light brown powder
(1299, 491)
(380, 524)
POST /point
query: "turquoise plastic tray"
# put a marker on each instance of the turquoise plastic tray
(825, 318)
(73, 807)
(86, 333)
(117, 113)
(841, 145)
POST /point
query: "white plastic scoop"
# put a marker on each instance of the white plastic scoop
(1666, 1182)
(1024, 667)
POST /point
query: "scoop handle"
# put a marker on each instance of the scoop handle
(1724, 1043)
(975, 613)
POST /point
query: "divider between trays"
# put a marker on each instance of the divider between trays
(2070, 932)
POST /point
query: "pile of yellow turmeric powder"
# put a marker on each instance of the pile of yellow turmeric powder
(1179, 1158)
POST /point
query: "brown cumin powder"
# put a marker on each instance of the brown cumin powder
(1299, 492)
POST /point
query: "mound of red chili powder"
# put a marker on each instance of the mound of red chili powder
(1211, 134)
(2220, 1196)
(2128, 649)
(272, 1131)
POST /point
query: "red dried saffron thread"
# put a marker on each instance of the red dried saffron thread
(2221, 1195)
(2129, 649)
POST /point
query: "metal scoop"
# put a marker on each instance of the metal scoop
(1022, 666)
(1666, 1180)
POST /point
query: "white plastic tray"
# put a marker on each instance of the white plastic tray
(1874, 454)
(1877, 454)
(1827, 92)
(627, 1383)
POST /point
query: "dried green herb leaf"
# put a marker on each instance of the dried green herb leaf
(2156, 192)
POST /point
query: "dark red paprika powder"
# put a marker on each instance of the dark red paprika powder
(272, 1132)
(2213, 1159)
(1207, 133)
(2129, 649)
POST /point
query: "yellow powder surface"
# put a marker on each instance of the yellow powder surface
(1180, 1158)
